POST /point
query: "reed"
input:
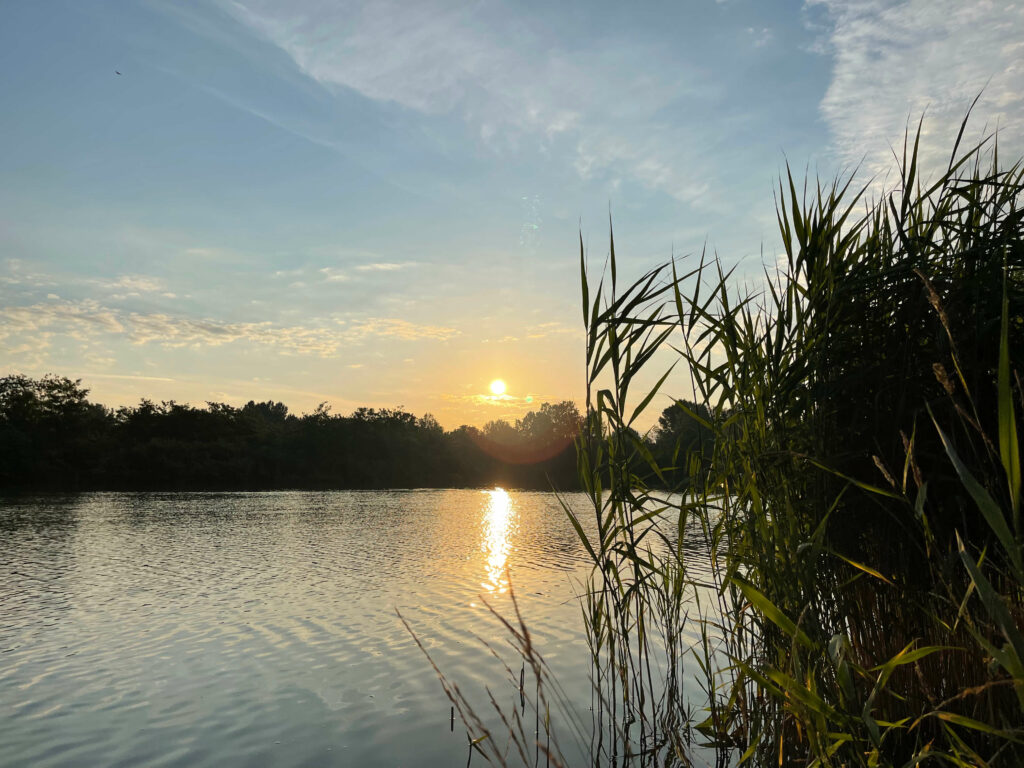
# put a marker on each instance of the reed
(858, 496)
(862, 518)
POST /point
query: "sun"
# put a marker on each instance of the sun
(498, 387)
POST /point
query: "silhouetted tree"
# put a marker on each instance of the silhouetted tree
(681, 442)
(51, 436)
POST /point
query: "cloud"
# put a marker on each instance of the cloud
(87, 319)
(126, 377)
(429, 57)
(648, 161)
(760, 37)
(17, 275)
(505, 76)
(130, 286)
(119, 287)
(399, 329)
(893, 60)
(385, 266)
(554, 328)
(334, 275)
(135, 284)
(78, 319)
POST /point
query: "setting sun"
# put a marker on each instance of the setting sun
(498, 387)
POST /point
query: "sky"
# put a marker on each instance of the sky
(380, 204)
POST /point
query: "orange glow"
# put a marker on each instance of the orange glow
(498, 387)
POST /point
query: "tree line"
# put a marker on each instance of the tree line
(53, 438)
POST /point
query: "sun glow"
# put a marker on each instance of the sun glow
(498, 387)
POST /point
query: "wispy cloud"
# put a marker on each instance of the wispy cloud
(133, 283)
(511, 82)
(120, 286)
(88, 319)
(554, 328)
(760, 37)
(893, 60)
(385, 266)
(125, 377)
(19, 274)
(339, 275)
(399, 329)
(77, 319)
(131, 286)
(334, 275)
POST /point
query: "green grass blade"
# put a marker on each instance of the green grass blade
(1009, 449)
(997, 609)
(772, 612)
(985, 503)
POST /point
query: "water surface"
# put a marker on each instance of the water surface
(260, 628)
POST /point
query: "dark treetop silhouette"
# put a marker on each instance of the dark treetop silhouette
(52, 437)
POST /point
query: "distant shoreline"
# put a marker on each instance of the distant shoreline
(15, 492)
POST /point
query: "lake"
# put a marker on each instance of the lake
(231, 629)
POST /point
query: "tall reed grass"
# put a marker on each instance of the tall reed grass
(861, 503)
(859, 498)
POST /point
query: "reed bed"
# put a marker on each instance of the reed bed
(858, 494)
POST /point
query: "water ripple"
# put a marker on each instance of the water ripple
(242, 629)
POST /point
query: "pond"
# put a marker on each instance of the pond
(169, 629)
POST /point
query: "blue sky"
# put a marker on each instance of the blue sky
(378, 203)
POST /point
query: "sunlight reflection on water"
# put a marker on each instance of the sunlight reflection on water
(500, 522)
